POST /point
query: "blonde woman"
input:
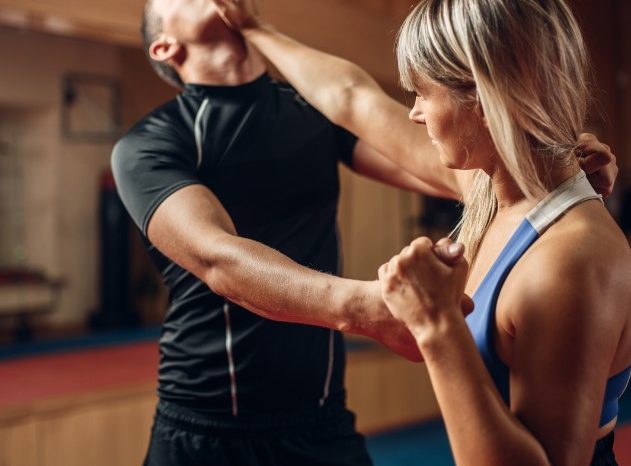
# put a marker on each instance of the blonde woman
(501, 87)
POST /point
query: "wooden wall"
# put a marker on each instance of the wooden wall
(605, 25)
(362, 30)
(112, 427)
(100, 428)
(375, 220)
(367, 38)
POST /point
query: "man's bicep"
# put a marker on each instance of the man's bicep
(147, 172)
(186, 223)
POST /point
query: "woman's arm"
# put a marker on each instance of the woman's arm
(481, 429)
(561, 355)
(349, 97)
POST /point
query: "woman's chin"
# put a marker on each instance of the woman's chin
(450, 163)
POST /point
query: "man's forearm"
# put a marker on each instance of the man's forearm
(273, 286)
(265, 281)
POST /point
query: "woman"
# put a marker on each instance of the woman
(501, 87)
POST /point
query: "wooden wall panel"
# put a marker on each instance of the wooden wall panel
(386, 391)
(374, 221)
(112, 427)
(18, 444)
(114, 20)
(141, 89)
(622, 116)
(100, 434)
(367, 39)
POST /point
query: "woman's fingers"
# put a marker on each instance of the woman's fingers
(451, 253)
(600, 164)
(238, 14)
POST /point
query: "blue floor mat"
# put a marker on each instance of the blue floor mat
(422, 445)
(427, 444)
(92, 340)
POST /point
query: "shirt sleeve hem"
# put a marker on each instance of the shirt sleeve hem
(160, 199)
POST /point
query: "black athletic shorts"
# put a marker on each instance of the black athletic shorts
(181, 437)
(603, 453)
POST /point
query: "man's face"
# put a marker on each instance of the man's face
(187, 20)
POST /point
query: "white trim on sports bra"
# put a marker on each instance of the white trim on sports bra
(569, 193)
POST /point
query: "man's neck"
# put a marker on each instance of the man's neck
(226, 63)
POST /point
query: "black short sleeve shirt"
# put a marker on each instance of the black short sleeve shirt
(272, 160)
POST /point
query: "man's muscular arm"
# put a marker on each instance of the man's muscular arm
(193, 229)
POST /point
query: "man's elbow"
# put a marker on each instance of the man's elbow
(215, 266)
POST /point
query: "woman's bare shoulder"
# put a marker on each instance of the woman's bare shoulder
(582, 259)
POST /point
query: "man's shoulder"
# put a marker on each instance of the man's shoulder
(164, 125)
(158, 120)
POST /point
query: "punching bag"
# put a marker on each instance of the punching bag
(114, 223)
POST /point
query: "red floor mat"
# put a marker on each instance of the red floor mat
(60, 375)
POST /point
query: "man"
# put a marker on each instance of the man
(234, 184)
(236, 162)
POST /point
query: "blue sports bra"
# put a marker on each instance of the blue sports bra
(482, 321)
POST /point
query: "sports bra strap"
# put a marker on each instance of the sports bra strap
(569, 193)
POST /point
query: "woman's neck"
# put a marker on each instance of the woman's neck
(510, 197)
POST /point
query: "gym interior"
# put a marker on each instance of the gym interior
(81, 304)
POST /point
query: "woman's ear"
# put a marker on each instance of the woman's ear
(164, 49)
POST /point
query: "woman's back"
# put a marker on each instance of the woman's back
(558, 305)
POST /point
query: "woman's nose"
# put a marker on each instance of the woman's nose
(416, 115)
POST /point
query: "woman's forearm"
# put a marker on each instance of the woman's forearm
(348, 96)
(326, 81)
(481, 428)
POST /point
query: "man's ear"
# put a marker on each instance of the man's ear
(164, 49)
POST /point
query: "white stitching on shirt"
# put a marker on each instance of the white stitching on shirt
(198, 130)
(329, 372)
(231, 369)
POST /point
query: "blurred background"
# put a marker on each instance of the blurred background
(80, 304)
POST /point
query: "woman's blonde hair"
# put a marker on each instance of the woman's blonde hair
(525, 63)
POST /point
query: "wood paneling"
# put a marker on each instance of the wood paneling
(141, 89)
(622, 117)
(386, 391)
(374, 224)
(115, 432)
(112, 427)
(367, 39)
(18, 444)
